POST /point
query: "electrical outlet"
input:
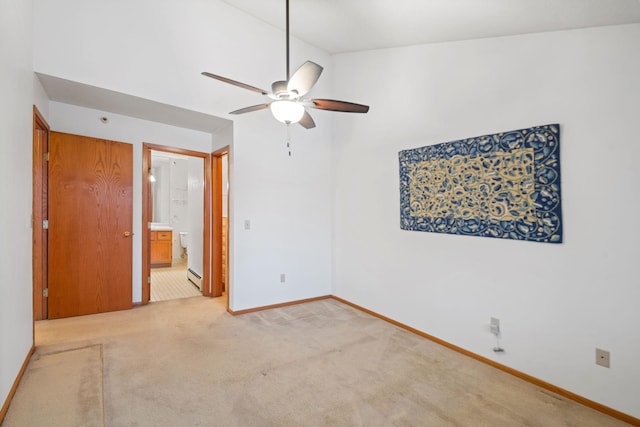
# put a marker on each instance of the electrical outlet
(282, 277)
(495, 326)
(602, 357)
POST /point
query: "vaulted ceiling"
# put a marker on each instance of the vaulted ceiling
(338, 26)
(351, 25)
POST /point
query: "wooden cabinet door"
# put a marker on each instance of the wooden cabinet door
(161, 248)
(90, 225)
(160, 254)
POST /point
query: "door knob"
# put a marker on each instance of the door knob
(127, 234)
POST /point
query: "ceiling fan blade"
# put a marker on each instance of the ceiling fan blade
(304, 78)
(306, 121)
(250, 109)
(341, 106)
(235, 83)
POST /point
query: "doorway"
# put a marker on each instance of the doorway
(176, 215)
(177, 219)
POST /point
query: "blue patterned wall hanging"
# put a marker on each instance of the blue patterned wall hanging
(505, 185)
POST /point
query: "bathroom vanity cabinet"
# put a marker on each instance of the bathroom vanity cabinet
(161, 249)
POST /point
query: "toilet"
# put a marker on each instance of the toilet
(184, 237)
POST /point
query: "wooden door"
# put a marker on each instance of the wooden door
(90, 225)
(216, 233)
(40, 150)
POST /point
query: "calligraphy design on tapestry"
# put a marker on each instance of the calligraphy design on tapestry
(505, 185)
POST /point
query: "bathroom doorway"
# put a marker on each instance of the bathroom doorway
(177, 213)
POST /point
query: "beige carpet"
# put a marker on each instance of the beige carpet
(187, 362)
(60, 389)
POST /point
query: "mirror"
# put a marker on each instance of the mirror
(170, 174)
(160, 189)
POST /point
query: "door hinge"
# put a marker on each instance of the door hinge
(45, 292)
(45, 224)
(46, 156)
(149, 279)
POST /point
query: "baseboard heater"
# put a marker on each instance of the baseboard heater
(194, 278)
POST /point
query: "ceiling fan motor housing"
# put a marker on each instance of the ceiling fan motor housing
(280, 90)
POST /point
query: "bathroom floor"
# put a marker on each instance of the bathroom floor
(171, 283)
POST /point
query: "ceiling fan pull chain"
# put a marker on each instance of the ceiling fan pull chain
(289, 138)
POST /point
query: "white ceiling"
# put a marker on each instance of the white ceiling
(74, 93)
(351, 25)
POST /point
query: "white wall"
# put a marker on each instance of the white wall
(287, 201)
(195, 220)
(179, 203)
(40, 98)
(16, 100)
(157, 50)
(85, 121)
(161, 189)
(556, 303)
(222, 138)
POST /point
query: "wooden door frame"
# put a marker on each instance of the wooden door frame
(39, 208)
(146, 217)
(216, 207)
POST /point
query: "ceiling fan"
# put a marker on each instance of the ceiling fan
(288, 103)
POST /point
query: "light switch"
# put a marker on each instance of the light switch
(247, 224)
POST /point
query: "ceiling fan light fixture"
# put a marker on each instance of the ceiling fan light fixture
(286, 111)
(289, 96)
